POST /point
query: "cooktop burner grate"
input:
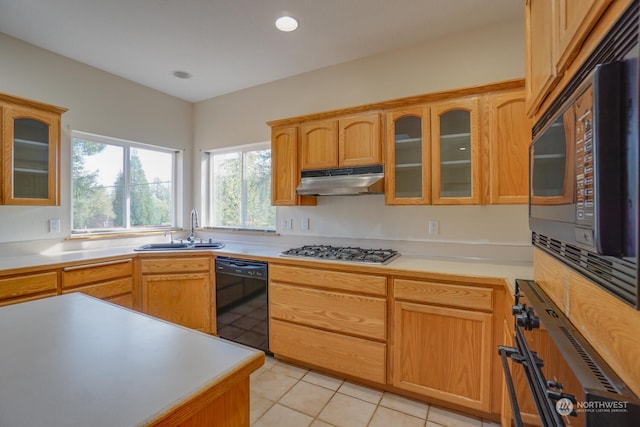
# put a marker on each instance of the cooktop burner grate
(341, 253)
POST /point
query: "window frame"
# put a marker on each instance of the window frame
(127, 146)
(207, 185)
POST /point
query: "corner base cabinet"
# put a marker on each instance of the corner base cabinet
(178, 290)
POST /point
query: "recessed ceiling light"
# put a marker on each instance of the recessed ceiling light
(286, 23)
(182, 74)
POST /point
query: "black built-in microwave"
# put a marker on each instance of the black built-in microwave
(583, 167)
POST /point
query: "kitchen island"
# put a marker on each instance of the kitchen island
(73, 360)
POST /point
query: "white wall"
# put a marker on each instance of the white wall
(99, 103)
(482, 56)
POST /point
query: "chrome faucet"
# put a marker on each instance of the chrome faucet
(194, 225)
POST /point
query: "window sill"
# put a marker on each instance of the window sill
(240, 231)
(121, 234)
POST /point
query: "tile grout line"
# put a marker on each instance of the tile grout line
(334, 393)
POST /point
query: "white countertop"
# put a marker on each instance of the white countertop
(461, 266)
(73, 360)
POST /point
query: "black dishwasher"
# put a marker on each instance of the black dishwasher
(241, 301)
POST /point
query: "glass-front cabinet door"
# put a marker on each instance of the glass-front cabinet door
(30, 156)
(407, 176)
(455, 152)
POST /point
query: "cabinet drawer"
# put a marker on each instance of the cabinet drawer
(122, 300)
(474, 297)
(335, 311)
(85, 274)
(355, 357)
(362, 283)
(14, 287)
(175, 265)
(106, 290)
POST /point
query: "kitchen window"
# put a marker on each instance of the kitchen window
(121, 186)
(239, 188)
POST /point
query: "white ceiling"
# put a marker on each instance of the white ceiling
(228, 45)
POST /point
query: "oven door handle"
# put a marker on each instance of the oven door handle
(514, 354)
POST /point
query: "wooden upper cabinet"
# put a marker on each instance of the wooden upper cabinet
(455, 152)
(540, 70)
(344, 142)
(285, 173)
(319, 144)
(30, 152)
(575, 18)
(408, 156)
(359, 140)
(434, 148)
(509, 131)
(555, 32)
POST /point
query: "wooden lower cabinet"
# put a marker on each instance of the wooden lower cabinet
(356, 357)
(442, 352)
(26, 287)
(111, 281)
(330, 319)
(178, 290)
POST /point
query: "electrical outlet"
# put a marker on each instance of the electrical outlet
(304, 223)
(434, 227)
(287, 223)
(54, 225)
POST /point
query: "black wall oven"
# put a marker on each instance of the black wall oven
(569, 384)
(584, 160)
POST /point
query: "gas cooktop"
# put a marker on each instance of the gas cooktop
(342, 253)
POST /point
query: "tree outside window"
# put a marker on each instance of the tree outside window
(240, 183)
(119, 186)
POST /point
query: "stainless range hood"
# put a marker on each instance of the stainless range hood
(342, 181)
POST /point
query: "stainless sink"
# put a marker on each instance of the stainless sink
(207, 245)
(172, 246)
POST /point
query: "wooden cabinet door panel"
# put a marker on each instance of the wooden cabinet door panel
(444, 353)
(540, 35)
(575, 18)
(462, 176)
(334, 311)
(352, 356)
(359, 140)
(319, 145)
(179, 298)
(284, 166)
(21, 185)
(407, 156)
(509, 139)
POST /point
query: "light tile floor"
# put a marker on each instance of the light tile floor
(284, 395)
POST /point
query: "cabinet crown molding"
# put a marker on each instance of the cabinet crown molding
(402, 102)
